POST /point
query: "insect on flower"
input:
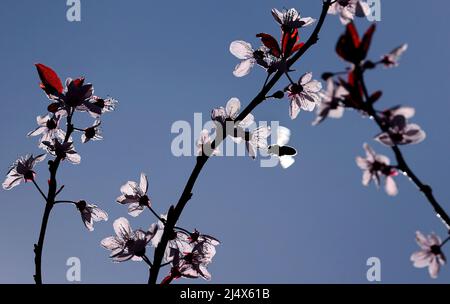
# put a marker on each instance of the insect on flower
(281, 150)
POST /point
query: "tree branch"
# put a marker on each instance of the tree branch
(401, 162)
(175, 212)
(50, 202)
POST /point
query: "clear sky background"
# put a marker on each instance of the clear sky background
(165, 60)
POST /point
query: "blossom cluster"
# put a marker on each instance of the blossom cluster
(55, 129)
(351, 93)
(189, 253)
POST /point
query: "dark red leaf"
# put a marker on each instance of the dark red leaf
(375, 96)
(51, 83)
(367, 39)
(270, 43)
(288, 42)
(348, 44)
(352, 33)
(297, 47)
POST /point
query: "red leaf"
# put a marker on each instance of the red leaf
(167, 280)
(270, 43)
(375, 96)
(352, 33)
(348, 44)
(297, 47)
(288, 41)
(367, 39)
(51, 83)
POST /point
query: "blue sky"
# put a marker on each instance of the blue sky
(165, 60)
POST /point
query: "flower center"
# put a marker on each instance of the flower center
(296, 88)
(194, 236)
(436, 250)
(143, 200)
(90, 132)
(29, 175)
(81, 205)
(100, 103)
(397, 137)
(51, 124)
(189, 257)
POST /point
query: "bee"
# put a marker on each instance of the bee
(281, 150)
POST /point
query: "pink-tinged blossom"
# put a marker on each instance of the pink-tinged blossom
(257, 140)
(104, 104)
(225, 117)
(90, 213)
(127, 244)
(430, 254)
(230, 112)
(331, 104)
(348, 9)
(92, 133)
(178, 240)
(303, 95)
(197, 237)
(389, 114)
(290, 19)
(374, 167)
(48, 128)
(249, 57)
(135, 196)
(65, 151)
(193, 263)
(391, 60)
(401, 132)
(204, 145)
(22, 171)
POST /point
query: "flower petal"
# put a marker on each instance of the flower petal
(241, 49)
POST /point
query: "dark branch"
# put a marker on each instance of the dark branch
(175, 212)
(50, 202)
(401, 162)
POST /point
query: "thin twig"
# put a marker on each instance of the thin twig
(65, 202)
(39, 189)
(146, 260)
(156, 215)
(175, 212)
